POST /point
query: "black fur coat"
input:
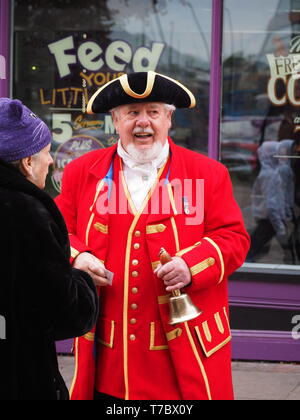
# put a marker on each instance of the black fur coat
(42, 299)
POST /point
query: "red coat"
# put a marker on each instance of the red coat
(139, 354)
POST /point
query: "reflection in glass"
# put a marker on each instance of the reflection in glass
(64, 51)
(260, 129)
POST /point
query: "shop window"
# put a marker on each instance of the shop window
(260, 126)
(64, 50)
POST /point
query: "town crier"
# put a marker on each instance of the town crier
(122, 205)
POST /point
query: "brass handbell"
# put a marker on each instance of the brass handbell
(181, 306)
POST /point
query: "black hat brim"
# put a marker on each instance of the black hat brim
(139, 88)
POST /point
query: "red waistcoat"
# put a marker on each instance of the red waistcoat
(132, 349)
(135, 353)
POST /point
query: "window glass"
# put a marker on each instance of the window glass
(65, 50)
(260, 126)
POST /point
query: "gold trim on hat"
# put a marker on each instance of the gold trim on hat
(91, 101)
(151, 75)
(150, 83)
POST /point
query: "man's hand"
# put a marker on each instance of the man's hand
(94, 267)
(175, 274)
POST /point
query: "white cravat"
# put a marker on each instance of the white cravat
(141, 176)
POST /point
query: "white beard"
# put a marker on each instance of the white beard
(145, 155)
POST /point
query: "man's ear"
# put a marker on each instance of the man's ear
(170, 115)
(26, 166)
(114, 116)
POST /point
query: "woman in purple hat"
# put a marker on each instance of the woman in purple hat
(42, 299)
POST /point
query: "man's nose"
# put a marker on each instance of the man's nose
(142, 120)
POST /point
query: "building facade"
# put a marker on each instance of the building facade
(242, 62)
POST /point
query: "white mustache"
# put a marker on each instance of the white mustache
(140, 130)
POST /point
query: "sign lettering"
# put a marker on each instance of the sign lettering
(82, 66)
(284, 84)
(92, 56)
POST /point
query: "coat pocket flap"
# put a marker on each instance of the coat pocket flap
(214, 333)
(106, 329)
(158, 340)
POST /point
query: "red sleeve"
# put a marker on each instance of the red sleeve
(225, 242)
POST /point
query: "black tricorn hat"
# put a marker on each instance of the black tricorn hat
(140, 87)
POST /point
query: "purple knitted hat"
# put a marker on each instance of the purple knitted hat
(22, 133)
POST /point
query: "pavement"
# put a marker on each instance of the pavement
(252, 380)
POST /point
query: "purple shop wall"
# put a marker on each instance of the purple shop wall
(215, 79)
(64, 347)
(261, 344)
(4, 47)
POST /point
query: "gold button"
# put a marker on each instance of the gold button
(134, 306)
(132, 337)
(137, 234)
(133, 321)
(134, 274)
(136, 246)
(135, 262)
(134, 290)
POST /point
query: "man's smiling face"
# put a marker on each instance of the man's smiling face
(142, 124)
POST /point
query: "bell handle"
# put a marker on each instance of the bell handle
(165, 257)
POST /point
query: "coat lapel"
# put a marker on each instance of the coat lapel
(101, 167)
(168, 199)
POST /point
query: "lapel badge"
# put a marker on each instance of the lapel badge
(186, 207)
